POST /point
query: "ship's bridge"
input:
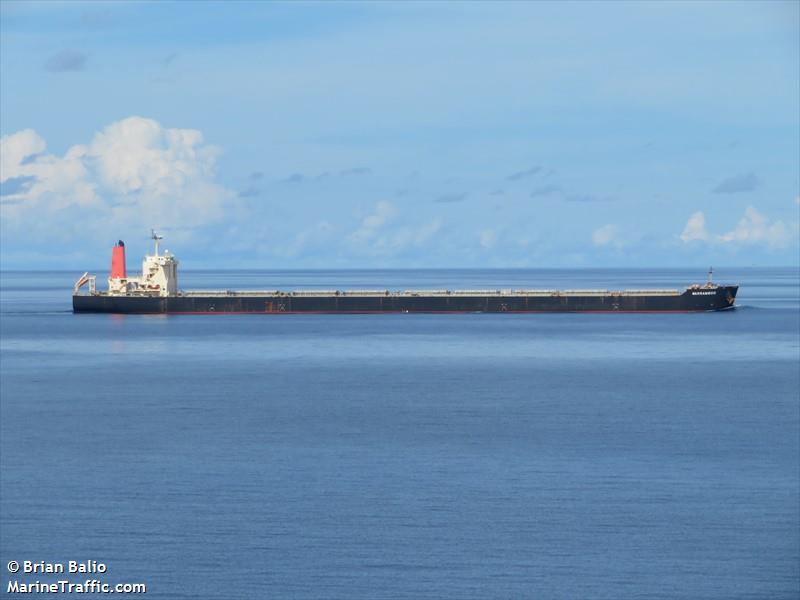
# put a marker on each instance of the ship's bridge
(159, 274)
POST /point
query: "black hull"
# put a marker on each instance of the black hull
(697, 300)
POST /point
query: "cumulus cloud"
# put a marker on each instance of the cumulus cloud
(412, 236)
(487, 238)
(133, 173)
(450, 198)
(383, 212)
(355, 171)
(605, 235)
(587, 198)
(755, 228)
(316, 238)
(523, 174)
(294, 178)
(382, 233)
(695, 229)
(545, 190)
(752, 229)
(249, 192)
(745, 182)
(303, 178)
(17, 149)
(16, 185)
(66, 60)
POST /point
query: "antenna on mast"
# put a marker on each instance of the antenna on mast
(710, 276)
(155, 237)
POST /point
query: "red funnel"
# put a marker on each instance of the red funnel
(118, 261)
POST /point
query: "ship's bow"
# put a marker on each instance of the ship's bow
(728, 296)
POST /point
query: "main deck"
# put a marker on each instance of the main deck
(410, 301)
(371, 293)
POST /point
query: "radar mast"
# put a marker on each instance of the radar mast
(155, 237)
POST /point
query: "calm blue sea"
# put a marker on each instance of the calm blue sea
(407, 456)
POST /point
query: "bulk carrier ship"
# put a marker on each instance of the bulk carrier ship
(156, 291)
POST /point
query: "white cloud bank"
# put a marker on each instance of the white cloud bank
(372, 224)
(487, 238)
(753, 229)
(605, 235)
(132, 174)
(380, 234)
(695, 229)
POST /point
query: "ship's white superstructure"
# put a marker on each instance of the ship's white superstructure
(159, 275)
(159, 278)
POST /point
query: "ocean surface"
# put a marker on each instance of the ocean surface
(407, 456)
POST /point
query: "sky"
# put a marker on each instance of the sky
(390, 135)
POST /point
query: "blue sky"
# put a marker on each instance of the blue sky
(401, 134)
